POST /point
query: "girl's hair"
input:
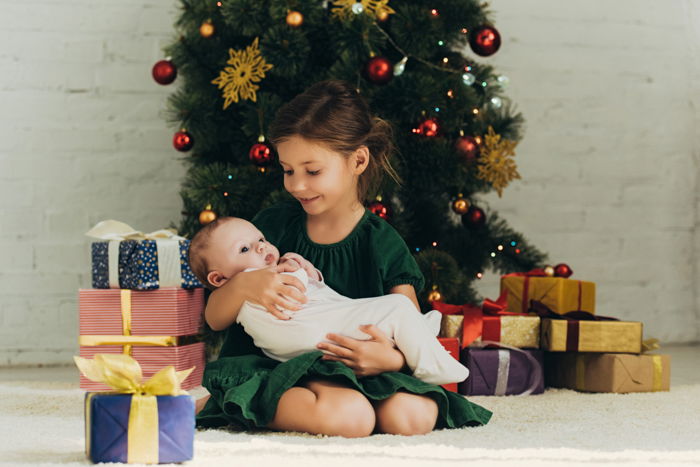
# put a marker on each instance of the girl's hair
(334, 114)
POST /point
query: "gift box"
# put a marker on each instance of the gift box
(139, 421)
(514, 331)
(490, 322)
(107, 427)
(502, 372)
(451, 344)
(608, 372)
(591, 336)
(558, 294)
(152, 359)
(134, 260)
(156, 327)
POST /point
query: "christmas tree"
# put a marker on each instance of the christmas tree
(238, 61)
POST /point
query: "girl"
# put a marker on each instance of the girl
(332, 152)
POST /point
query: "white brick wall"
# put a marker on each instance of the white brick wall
(84, 139)
(609, 160)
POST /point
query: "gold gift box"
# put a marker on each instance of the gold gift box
(451, 326)
(559, 294)
(593, 336)
(608, 372)
(516, 331)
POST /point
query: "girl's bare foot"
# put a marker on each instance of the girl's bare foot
(200, 403)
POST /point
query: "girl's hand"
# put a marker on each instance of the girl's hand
(303, 263)
(272, 290)
(365, 357)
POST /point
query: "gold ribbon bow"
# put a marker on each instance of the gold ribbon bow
(115, 230)
(124, 375)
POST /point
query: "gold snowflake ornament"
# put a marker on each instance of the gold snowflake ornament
(246, 68)
(496, 164)
(342, 9)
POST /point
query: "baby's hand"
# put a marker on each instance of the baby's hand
(303, 263)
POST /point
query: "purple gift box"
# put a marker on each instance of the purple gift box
(107, 421)
(502, 372)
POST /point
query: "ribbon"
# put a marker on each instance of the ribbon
(123, 374)
(167, 247)
(573, 319)
(126, 339)
(502, 374)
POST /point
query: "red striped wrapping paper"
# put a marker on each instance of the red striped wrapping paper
(152, 360)
(169, 311)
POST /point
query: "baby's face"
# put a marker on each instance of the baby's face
(238, 245)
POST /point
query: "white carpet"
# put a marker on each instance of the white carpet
(43, 425)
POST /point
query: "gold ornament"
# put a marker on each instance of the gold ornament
(247, 67)
(342, 9)
(207, 215)
(496, 164)
(549, 271)
(460, 205)
(434, 295)
(295, 18)
(206, 30)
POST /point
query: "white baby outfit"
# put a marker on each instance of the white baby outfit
(329, 312)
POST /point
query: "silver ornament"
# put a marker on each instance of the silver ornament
(496, 102)
(468, 79)
(400, 67)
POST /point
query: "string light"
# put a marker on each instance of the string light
(218, 4)
(230, 177)
(434, 244)
(417, 249)
(225, 193)
(468, 79)
(500, 248)
(450, 94)
(479, 275)
(493, 254)
(513, 243)
(437, 109)
(464, 30)
(517, 251)
(475, 111)
(445, 59)
(434, 12)
(484, 84)
(441, 43)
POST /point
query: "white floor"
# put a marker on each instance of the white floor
(41, 424)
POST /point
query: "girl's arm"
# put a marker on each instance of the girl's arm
(265, 287)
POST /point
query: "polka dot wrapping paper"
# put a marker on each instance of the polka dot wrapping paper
(138, 265)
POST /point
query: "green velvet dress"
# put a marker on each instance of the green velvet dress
(245, 385)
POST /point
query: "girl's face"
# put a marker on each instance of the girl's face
(322, 180)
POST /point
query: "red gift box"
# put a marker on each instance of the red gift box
(156, 327)
(451, 344)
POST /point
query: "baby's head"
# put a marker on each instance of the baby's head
(227, 246)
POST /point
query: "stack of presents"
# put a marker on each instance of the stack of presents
(543, 331)
(140, 319)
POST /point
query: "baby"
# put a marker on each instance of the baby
(234, 245)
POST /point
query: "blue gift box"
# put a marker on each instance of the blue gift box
(107, 422)
(138, 265)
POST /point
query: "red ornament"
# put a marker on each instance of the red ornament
(183, 141)
(379, 70)
(260, 154)
(428, 128)
(475, 217)
(467, 147)
(484, 40)
(164, 72)
(562, 270)
(380, 209)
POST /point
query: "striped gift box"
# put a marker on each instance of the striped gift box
(169, 311)
(152, 360)
(156, 327)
